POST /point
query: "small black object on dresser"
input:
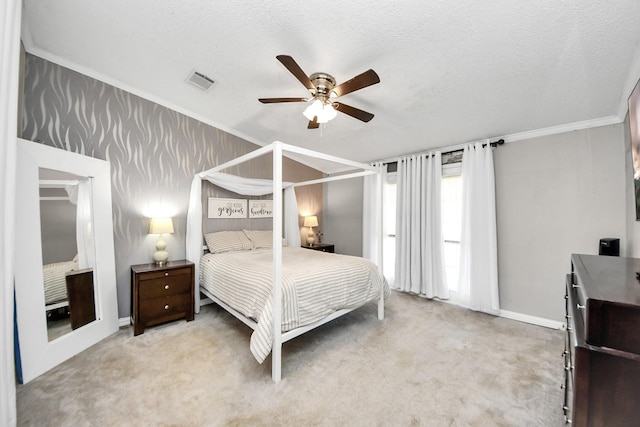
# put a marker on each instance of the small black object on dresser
(602, 346)
(160, 293)
(609, 246)
(322, 247)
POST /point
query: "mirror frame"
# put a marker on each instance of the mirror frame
(37, 353)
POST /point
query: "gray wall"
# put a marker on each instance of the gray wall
(154, 153)
(342, 217)
(555, 195)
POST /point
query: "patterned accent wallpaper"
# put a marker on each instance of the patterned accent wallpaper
(154, 154)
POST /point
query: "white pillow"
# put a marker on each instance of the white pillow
(224, 241)
(260, 238)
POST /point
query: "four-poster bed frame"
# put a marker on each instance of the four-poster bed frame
(194, 237)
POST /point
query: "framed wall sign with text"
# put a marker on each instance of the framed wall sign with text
(227, 208)
(260, 208)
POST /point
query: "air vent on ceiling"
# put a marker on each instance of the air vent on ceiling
(200, 80)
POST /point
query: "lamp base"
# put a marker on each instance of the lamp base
(160, 256)
(311, 240)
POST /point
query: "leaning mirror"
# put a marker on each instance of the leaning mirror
(65, 268)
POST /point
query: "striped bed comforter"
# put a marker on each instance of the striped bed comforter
(314, 285)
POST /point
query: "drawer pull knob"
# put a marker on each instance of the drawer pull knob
(575, 286)
(562, 386)
(166, 286)
(166, 273)
(568, 368)
(166, 306)
(569, 328)
(564, 353)
(580, 307)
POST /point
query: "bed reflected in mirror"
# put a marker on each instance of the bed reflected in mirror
(67, 251)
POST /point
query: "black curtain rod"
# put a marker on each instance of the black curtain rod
(492, 144)
(495, 143)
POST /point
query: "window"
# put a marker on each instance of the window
(389, 226)
(451, 199)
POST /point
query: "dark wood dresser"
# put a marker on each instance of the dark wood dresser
(602, 347)
(160, 293)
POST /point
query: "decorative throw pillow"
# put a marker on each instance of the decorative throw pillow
(225, 241)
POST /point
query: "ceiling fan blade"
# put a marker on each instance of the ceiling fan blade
(313, 124)
(274, 100)
(295, 69)
(353, 112)
(360, 81)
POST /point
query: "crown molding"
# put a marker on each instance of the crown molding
(569, 127)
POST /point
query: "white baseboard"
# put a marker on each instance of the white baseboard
(534, 320)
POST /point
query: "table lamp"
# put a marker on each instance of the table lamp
(311, 221)
(161, 226)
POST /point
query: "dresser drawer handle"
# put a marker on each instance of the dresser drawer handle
(564, 353)
(166, 273)
(166, 306)
(562, 386)
(575, 286)
(580, 307)
(166, 286)
(568, 368)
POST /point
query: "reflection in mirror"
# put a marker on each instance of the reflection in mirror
(67, 251)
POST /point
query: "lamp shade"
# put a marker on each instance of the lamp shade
(311, 221)
(161, 225)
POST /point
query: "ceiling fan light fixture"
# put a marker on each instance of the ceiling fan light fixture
(323, 111)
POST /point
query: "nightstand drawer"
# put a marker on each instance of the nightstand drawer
(165, 286)
(168, 273)
(163, 309)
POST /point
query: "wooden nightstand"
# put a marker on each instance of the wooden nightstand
(322, 247)
(160, 293)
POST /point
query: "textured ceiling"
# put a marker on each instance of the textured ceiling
(451, 72)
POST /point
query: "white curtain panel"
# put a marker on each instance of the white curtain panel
(372, 215)
(10, 16)
(84, 232)
(478, 285)
(419, 246)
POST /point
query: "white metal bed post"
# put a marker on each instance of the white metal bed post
(276, 351)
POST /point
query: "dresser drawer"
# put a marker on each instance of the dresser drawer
(165, 286)
(159, 309)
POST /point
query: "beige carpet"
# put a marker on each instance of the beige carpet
(426, 364)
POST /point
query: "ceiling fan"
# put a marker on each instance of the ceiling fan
(323, 89)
